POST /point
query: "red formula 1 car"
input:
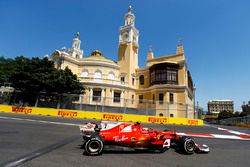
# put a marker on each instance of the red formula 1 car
(132, 135)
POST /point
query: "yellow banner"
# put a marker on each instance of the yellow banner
(98, 115)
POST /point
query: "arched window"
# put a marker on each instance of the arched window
(161, 114)
(85, 73)
(97, 76)
(111, 75)
(125, 36)
(141, 78)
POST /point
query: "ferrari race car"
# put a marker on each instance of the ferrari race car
(133, 135)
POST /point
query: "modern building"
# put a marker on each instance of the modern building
(164, 84)
(217, 106)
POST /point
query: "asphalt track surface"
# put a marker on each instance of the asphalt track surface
(50, 141)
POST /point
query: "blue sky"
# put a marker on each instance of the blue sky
(216, 35)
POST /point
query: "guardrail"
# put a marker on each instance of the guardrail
(83, 102)
(236, 120)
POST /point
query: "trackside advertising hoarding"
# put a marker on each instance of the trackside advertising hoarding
(98, 115)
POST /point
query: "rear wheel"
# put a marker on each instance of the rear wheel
(94, 146)
(186, 145)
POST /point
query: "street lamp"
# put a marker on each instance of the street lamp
(194, 89)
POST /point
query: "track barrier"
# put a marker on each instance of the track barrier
(98, 115)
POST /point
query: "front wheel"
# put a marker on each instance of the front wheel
(94, 146)
(186, 145)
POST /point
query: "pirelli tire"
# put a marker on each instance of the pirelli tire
(94, 146)
(186, 145)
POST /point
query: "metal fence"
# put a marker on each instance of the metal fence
(97, 103)
(236, 120)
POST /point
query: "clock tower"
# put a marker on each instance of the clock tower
(128, 47)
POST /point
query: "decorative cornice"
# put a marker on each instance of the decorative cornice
(142, 69)
(179, 88)
(165, 57)
(81, 62)
(128, 27)
(95, 84)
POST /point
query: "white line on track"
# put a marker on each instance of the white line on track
(227, 130)
(232, 131)
(22, 160)
(40, 121)
(15, 163)
(214, 136)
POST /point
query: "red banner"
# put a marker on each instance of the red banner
(20, 109)
(157, 120)
(193, 122)
(67, 113)
(112, 117)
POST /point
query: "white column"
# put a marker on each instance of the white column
(122, 98)
(90, 95)
(166, 98)
(166, 104)
(112, 95)
(102, 96)
(80, 101)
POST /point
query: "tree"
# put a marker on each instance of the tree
(32, 76)
(244, 113)
(35, 75)
(225, 115)
(6, 69)
(236, 114)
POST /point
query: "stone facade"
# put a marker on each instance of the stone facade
(164, 82)
(217, 106)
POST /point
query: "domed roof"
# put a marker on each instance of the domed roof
(96, 53)
(97, 57)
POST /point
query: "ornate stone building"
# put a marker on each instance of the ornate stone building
(165, 84)
(217, 106)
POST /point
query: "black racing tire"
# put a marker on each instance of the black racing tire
(94, 146)
(186, 145)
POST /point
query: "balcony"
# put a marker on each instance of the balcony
(164, 73)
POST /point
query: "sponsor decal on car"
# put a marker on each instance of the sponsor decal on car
(158, 136)
(157, 120)
(142, 139)
(118, 139)
(67, 113)
(113, 117)
(133, 139)
(19, 109)
(193, 122)
(166, 143)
